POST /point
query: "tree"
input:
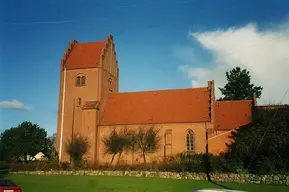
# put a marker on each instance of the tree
(50, 150)
(269, 131)
(132, 142)
(76, 148)
(115, 143)
(23, 141)
(147, 140)
(239, 86)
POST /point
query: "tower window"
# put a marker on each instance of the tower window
(79, 102)
(80, 80)
(83, 79)
(77, 80)
(190, 141)
(110, 84)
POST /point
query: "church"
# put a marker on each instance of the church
(91, 105)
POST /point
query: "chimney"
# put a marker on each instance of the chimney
(212, 100)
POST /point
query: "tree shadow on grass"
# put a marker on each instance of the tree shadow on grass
(208, 169)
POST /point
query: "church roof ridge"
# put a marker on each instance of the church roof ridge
(161, 90)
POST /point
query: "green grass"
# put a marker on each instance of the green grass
(42, 183)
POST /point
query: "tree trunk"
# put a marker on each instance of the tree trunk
(144, 157)
(25, 158)
(112, 159)
(132, 156)
(119, 157)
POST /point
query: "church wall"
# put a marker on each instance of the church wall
(178, 142)
(109, 76)
(89, 130)
(217, 143)
(73, 113)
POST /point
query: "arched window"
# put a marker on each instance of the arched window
(80, 80)
(79, 102)
(83, 79)
(190, 140)
(77, 80)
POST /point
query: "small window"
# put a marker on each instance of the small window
(110, 84)
(83, 79)
(77, 80)
(190, 140)
(79, 102)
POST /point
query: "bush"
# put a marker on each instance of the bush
(35, 165)
(4, 165)
(77, 147)
(183, 162)
(22, 166)
(65, 166)
(179, 163)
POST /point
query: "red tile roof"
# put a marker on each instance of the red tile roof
(232, 114)
(90, 105)
(164, 106)
(84, 55)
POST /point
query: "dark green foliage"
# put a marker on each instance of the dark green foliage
(239, 86)
(27, 139)
(3, 165)
(76, 148)
(272, 154)
(50, 151)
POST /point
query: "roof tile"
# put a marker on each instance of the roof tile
(232, 114)
(163, 106)
(85, 55)
(90, 105)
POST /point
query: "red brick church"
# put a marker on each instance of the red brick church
(90, 104)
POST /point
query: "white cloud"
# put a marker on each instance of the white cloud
(263, 53)
(14, 104)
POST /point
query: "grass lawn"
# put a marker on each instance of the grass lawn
(61, 183)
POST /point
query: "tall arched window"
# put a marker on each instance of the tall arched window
(77, 80)
(83, 79)
(79, 102)
(190, 140)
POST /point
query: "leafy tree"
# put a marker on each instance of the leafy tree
(124, 141)
(271, 127)
(115, 143)
(147, 140)
(132, 142)
(76, 148)
(25, 140)
(239, 86)
(50, 150)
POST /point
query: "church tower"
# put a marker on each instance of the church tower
(88, 73)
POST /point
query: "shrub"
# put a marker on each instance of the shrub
(22, 166)
(4, 165)
(77, 147)
(35, 166)
(64, 166)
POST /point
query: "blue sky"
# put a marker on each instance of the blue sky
(151, 37)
